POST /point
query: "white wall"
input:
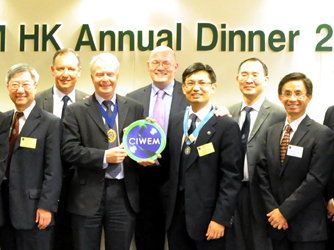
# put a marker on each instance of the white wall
(156, 15)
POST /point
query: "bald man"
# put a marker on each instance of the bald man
(162, 67)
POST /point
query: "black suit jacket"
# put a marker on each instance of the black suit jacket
(329, 122)
(35, 173)
(44, 99)
(84, 144)
(3, 156)
(296, 187)
(212, 182)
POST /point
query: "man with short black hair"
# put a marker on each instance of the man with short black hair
(294, 166)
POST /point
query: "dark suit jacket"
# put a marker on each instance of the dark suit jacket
(44, 99)
(329, 122)
(296, 187)
(212, 182)
(85, 140)
(35, 174)
(3, 156)
(143, 96)
(268, 115)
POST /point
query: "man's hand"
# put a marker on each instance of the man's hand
(43, 218)
(330, 209)
(116, 154)
(147, 163)
(215, 231)
(277, 220)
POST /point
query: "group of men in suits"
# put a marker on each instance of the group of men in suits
(245, 182)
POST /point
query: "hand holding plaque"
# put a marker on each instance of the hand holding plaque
(144, 140)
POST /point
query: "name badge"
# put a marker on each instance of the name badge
(28, 142)
(295, 151)
(205, 149)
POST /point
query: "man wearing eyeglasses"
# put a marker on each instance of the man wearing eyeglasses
(254, 115)
(160, 99)
(294, 165)
(66, 71)
(204, 159)
(31, 180)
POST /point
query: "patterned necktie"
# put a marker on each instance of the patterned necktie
(159, 108)
(108, 105)
(65, 102)
(12, 138)
(245, 129)
(113, 169)
(285, 142)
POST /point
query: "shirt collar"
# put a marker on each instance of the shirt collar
(100, 99)
(59, 95)
(202, 112)
(168, 90)
(256, 106)
(294, 125)
(28, 110)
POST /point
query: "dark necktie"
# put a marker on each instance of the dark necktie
(65, 102)
(192, 127)
(108, 105)
(245, 129)
(113, 169)
(184, 154)
(12, 138)
(285, 142)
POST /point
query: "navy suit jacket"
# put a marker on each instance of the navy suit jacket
(296, 187)
(84, 143)
(212, 181)
(35, 173)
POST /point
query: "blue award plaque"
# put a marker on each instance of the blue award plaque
(144, 140)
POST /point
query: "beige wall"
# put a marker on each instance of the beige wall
(156, 15)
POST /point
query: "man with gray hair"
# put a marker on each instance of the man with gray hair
(31, 180)
(104, 189)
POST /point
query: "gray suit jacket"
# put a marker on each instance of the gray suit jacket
(35, 173)
(143, 95)
(84, 143)
(44, 99)
(269, 114)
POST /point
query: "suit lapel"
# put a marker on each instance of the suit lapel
(204, 137)
(262, 116)
(147, 97)
(302, 130)
(48, 101)
(30, 125)
(123, 109)
(94, 112)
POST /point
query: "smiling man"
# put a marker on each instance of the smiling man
(204, 154)
(104, 189)
(254, 115)
(294, 165)
(30, 184)
(161, 99)
(66, 71)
